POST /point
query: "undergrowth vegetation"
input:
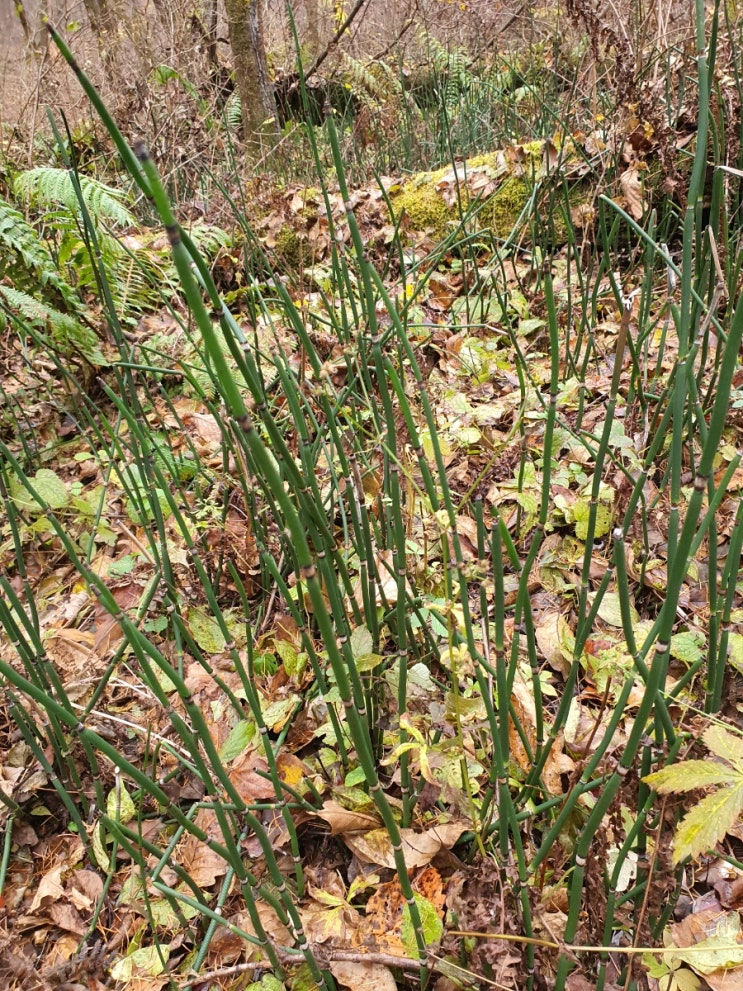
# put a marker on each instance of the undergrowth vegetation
(371, 579)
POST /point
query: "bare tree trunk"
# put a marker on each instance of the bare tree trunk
(102, 15)
(248, 52)
(210, 24)
(106, 23)
(34, 25)
(312, 9)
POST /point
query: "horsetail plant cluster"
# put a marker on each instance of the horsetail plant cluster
(342, 567)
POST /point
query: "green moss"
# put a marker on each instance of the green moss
(424, 207)
(290, 247)
(505, 206)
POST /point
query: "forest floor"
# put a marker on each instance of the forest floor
(479, 326)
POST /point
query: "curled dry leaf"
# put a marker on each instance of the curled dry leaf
(342, 820)
(631, 186)
(361, 976)
(419, 848)
(203, 864)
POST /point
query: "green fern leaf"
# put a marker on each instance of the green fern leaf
(26, 260)
(49, 187)
(68, 336)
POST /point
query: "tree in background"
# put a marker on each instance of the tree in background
(251, 74)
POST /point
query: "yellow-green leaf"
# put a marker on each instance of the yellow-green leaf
(680, 979)
(689, 775)
(687, 646)
(610, 610)
(164, 916)
(431, 925)
(367, 662)
(240, 736)
(100, 853)
(205, 631)
(147, 961)
(361, 642)
(581, 514)
(119, 805)
(50, 488)
(719, 951)
(725, 744)
(735, 650)
(702, 828)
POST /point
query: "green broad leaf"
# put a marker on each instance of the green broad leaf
(163, 678)
(528, 326)
(439, 628)
(688, 646)
(240, 736)
(156, 625)
(164, 916)
(431, 924)
(703, 828)
(688, 776)
(735, 650)
(581, 514)
(124, 565)
(528, 501)
(147, 961)
(50, 488)
(100, 853)
(719, 951)
(465, 437)
(610, 610)
(119, 805)
(361, 642)
(519, 303)
(142, 514)
(289, 657)
(277, 713)
(205, 631)
(656, 967)
(420, 676)
(355, 777)
(303, 979)
(724, 744)
(270, 982)
(367, 662)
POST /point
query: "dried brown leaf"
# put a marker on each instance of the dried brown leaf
(360, 976)
(632, 191)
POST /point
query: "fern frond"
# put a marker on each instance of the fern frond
(49, 187)
(363, 80)
(233, 112)
(209, 238)
(26, 260)
(392, 77)
(67, 335)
